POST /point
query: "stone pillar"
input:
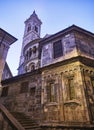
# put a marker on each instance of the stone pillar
(6, 40)
(3, 54)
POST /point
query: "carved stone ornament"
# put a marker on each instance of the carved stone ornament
(72, 103)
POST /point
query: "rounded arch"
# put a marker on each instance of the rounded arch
(32, 66)
(29, 28)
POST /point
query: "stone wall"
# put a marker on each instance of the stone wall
(24, 95)
(85, 45)
(71, 102)
(68, 48)
(60, 95)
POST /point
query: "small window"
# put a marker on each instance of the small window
(4, 92)
(36, 28)
(51, 92)
(32, 67)
(32, 91)
(34, 49)
(57, 49)
(71, 88)
(30, 52)
(29, 28)
(24, 87)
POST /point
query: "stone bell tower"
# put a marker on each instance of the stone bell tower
(29, 52)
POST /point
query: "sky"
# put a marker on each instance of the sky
(55, 15)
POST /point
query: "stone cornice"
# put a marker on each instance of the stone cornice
(6, 37)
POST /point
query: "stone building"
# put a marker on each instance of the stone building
(54, 88)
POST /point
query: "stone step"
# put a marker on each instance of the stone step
(28, 124)
(26, 121)
(31, 127)
(34, 129)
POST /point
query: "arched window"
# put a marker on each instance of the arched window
(29, 28)
(32, 67)
(30, 52)
(34, 49)
(36, 28)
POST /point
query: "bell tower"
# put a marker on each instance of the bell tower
(30, 43)
(32, 28)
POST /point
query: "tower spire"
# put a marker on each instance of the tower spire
(34, 12)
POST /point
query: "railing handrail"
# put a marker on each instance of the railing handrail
(15, 123)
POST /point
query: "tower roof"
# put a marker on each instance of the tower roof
(33, 16)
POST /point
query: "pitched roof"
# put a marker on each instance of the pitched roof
(67, 30)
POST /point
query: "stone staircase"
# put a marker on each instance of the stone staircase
(26, 121)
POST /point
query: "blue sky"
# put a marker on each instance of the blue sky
(55, 15)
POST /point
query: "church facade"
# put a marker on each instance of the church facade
(55, 82)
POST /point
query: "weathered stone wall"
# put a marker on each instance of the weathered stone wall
(88, 78)
(68, 46)
(65, 103)
(65, 108)
(27, 101)
(85, 45)
(3, 54)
